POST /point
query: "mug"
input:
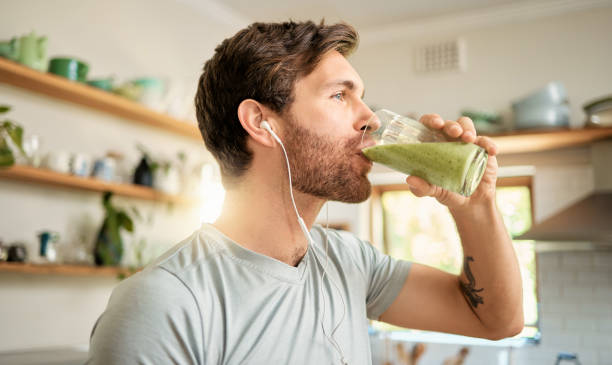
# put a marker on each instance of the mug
(104, 168)
(17, 253)
(80, 164)
(69, 68)
(58, 161)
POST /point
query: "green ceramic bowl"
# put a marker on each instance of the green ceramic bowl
(69, 68)
(104, 84)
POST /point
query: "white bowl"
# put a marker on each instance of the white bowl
(542, 116)
(552, 94)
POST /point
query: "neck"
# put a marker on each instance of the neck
(258, 214)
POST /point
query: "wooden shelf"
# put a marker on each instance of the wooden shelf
(48, 177)
(68, 270)
(82, 94)
(544, 140)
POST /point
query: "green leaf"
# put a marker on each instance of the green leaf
(15, 131)
(4, 108)
(125, 221)
(154, 166)
(6, 155)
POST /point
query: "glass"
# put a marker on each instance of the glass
(31, 147)
(408, 146)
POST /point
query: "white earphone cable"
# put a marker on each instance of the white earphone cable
(329, 337)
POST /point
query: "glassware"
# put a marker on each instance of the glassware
(408, 146)
(31, 147)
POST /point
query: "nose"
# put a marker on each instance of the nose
(367, 121)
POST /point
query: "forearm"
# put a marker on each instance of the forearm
(490, 279)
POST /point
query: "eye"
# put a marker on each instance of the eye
(339, 96)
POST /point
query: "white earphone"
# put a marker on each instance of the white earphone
(265, 125)
(330, 337)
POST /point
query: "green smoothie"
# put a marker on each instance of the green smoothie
(454, 166)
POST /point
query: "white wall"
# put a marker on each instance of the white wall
(504, 63)
(124, 39)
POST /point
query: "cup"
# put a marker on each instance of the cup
(408, 146)
(58, 161)
(152, 92)
(31, 147)
(104, 168)
(69, 68)
(80, 164)
(17, 253)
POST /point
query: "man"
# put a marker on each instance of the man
(252, 288)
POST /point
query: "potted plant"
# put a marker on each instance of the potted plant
(109, 245)
(9, 131)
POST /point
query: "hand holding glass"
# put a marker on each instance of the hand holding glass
(408, 146)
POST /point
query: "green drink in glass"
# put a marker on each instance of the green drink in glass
(408, 146)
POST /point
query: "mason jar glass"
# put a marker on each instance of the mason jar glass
(410, 147)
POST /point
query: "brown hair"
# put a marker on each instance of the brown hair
(261, 62)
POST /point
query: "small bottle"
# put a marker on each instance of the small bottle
(408, 146)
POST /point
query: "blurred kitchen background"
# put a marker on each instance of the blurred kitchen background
(535, 75)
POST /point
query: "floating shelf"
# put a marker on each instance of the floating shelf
(544, 140)
(48, 177)
(68, 270)
(61, 88)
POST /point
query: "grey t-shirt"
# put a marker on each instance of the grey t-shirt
(209, 300)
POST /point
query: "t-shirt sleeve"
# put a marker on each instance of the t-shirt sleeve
(386, 276)
(151, 318)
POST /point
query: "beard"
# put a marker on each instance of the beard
(326, 168)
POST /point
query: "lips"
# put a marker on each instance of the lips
(367, 144)
(364, 158)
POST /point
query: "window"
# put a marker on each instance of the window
(422, 230)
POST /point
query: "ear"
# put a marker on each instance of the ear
(251, 113)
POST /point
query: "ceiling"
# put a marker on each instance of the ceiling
(359, 13)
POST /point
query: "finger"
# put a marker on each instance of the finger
(453, 129)
(488, 144)
(469, 132)
(432, 120)
(420, 187)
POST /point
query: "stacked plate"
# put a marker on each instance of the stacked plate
(544, 108)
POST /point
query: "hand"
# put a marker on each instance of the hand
(461, 130)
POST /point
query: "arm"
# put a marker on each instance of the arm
(485, 300)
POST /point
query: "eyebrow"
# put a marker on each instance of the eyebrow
(349, 84)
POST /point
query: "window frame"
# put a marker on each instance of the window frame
(378, 239)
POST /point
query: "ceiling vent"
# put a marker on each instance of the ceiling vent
(442, 56)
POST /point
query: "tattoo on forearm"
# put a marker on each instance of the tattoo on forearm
(469, 288)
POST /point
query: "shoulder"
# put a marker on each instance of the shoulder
(345, 245)
(145, 313)
(194, 250)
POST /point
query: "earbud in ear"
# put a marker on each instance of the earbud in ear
(265, 125)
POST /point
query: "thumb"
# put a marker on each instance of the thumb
(420, 187)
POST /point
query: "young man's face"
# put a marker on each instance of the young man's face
(323, 133)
